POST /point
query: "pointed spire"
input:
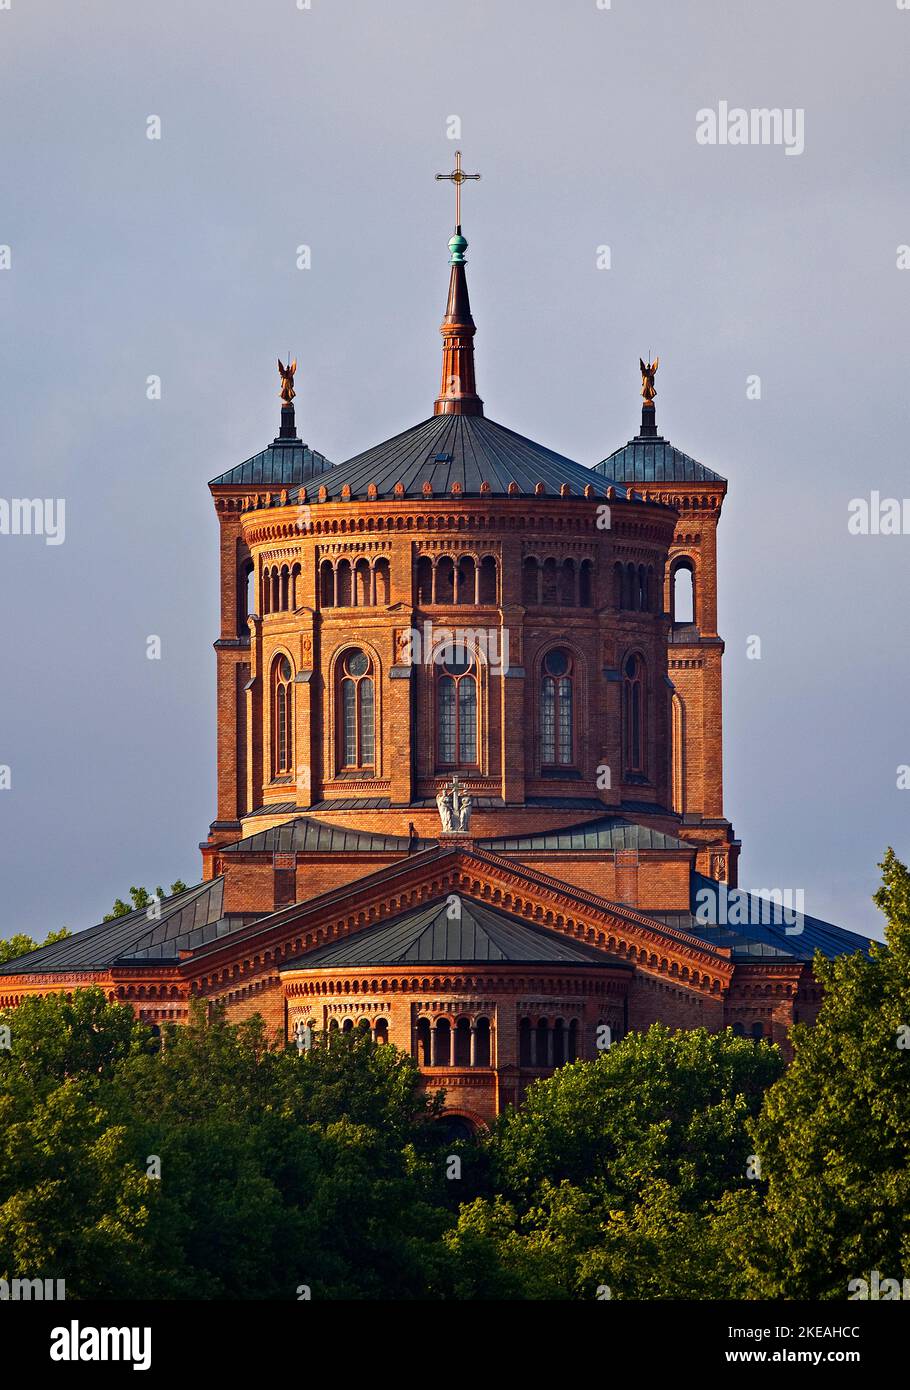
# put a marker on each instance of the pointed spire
(458, 391)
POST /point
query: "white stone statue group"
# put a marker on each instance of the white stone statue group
(454, 803)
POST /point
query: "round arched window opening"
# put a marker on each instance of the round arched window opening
(557, 709)
(456, 711)
(356, 713)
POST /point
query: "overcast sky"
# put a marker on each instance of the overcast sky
(280, 127)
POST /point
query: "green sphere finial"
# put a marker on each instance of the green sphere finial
(458, 245)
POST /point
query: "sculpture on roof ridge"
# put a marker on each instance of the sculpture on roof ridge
(454, 804)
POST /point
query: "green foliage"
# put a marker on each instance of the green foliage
(834, 1134)
(276, 1170)
(628, 1174)
(141, 897)
(20, 945)
(609, 1173)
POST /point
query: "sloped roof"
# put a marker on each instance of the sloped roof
(654, 460)
(186, 920)
(285, 463)
(305, 834)
(467, 450)
(431, 935)
(608, 833)
(766, 933)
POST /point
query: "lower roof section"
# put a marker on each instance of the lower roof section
(454, 931)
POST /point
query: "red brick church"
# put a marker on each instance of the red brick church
(470, 789)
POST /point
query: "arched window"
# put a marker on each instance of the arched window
(557, 702)
(542, 1044)
(567, 593)
(282, 716)
(423, 1042)
(524, 1042)
(462, 1040)
(381, 1030)
(758, 1031)
(356, 719)
(633, 713)
(442, 1043)
(276, 590)
(381, 581)
(482, 1043)
(246, 596)
(631, 588)
(584, 584)
(327, 584)
(296, 594)
(559, 1042)
(530, 582)
(362, 577)
(445, 581)
(284, 588)
(343, 584)
(467, 580)
(550, 582)
(678, 754)
(643, 602)
(682, 595)
(424, 580)
(487, 586)
(456, 714)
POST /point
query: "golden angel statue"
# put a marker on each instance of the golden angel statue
(287, 380)
(647, 379)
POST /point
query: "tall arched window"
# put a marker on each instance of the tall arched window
(456, 714)
(356, 717)
(682, 592)
(487, 583)
(282, 716)
(677, 754)
(633, 713)
(557, 702)
(381, 582)
(327, 584)
(584, 584)
(530, 581)
(424, 579)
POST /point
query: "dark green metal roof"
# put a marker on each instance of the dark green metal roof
(766, 934)
(304, 834)
(467, 450)
(607, 834)
(654, 460)
(186, 920)
(431, 935)
(285, 463)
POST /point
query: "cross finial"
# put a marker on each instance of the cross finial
(457, 177)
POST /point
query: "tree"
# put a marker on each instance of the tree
(834, 1133)
(213, 1166)
(140, 898)
(611, 1174)
(21, 945)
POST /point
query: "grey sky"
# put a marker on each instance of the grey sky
(325, 126)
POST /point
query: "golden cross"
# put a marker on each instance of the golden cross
(457, 177)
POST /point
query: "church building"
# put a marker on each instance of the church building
(469, 742)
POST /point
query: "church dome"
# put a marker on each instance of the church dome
(455, 453)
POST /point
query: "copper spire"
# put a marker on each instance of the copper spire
(458, 390)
